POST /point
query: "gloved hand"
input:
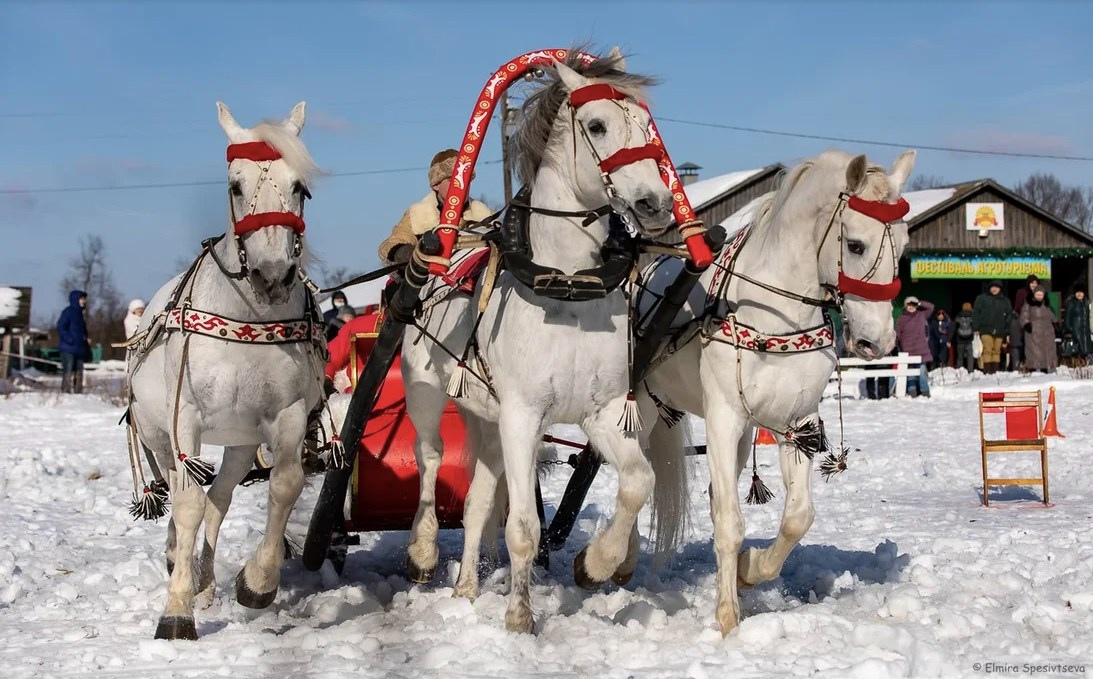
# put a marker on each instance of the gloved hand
(400, 254)
(1027, 327)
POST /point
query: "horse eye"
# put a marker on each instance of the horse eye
(236, 190)
(856, 247)
(597, 128)
(299, 189)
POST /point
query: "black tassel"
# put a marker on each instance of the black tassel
(758, 494)
(337, 453)
(832, 465)
(152, 503)
(671, 416)
(809, 438)
(199, 471)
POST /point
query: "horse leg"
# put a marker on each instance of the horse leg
(425, 405)
(520, 434)
(238, 460)
(257, 583)
(723, 431)
(606, 556)
(187, 511)
(478, 506)
(759, 565)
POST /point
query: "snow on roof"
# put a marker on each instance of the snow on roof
(702, 192)
(9, 302)
(922, 201)
(741, 217)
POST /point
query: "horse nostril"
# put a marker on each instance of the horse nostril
(289, 276)
(645, 206)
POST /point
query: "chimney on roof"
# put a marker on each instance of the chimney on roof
(688, 173)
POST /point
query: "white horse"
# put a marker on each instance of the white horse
(764, 354)
(193, 381)
(548, 361)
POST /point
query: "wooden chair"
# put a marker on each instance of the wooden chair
(1023, 411)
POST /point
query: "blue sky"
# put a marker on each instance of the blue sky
(95, 94)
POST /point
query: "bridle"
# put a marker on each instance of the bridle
(621, 158)
(263, 154)
(886, 214)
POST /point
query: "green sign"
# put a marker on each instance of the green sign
(980, 267)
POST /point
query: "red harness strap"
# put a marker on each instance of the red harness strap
(876, 292)
(631, 155)
(257, 151)
(264, 219)
(882, 212)
(582, 95)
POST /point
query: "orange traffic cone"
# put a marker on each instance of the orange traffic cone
(1050, 427)
(764, 438)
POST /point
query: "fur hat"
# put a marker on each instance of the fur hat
(911, 300)
(441, 166)
(967, 306)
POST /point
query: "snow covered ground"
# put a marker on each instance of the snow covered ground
(903, 573)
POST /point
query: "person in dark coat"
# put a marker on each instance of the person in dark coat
(991, 315)
(345, 314)
(337, 301)
(74, 347)
(912, 336)
(1077, 324)
(1038, 322)
(941, 332)
(963, 334)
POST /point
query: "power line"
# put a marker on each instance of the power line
(176, 185)
(846, 140)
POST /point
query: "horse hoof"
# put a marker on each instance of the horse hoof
(581, 576)
(520, 622)
(621, 579)
(248, 597)
(741, 583)
(418, 574)
(175, 628)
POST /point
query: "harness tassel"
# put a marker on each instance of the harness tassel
(630, 421)
(809, 438)
(199, 471)
(832, 465)
(152, 503)
(758, 494)
(671, 416)
(457, 385)
(337, 453)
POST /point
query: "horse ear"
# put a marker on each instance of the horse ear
(227, 121)
(855, 173)
(616, 55)
(570, 78)
(295, 120)
(901, 169)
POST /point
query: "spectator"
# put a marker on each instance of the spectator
(1038, 322)
(132, 319)
(346, 313)
(337, 301)
(912, 337)
(963, 334)
(74, 347)
(1019, 300)
(941, 332)
(1077, 323)
(991, 315)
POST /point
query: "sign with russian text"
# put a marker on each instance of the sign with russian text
(985, 216)
(980, 267)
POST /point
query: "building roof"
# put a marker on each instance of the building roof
(927, 204)
(706, 191)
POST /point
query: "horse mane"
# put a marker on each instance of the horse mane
(877, 187)
(290, 147)
(540, 110)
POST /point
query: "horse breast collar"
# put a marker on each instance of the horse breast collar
(190, 320)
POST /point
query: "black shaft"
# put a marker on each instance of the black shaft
(336, 482)
(588, 463)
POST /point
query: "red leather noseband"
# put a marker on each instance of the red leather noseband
(875, 292)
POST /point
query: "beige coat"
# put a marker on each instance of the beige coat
(424, 216)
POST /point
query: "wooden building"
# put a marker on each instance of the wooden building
(964, 236)
(716, 198)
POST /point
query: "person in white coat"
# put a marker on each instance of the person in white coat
(132, 319)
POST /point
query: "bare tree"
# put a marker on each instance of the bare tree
(921, 182)
(90, 272)
(1069, 203)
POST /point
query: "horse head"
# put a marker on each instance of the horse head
(269, 174)
(863, 236)
(590, 126)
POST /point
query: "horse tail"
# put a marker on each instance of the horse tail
(670, 494)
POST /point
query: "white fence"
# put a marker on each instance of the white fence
(901, 366)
